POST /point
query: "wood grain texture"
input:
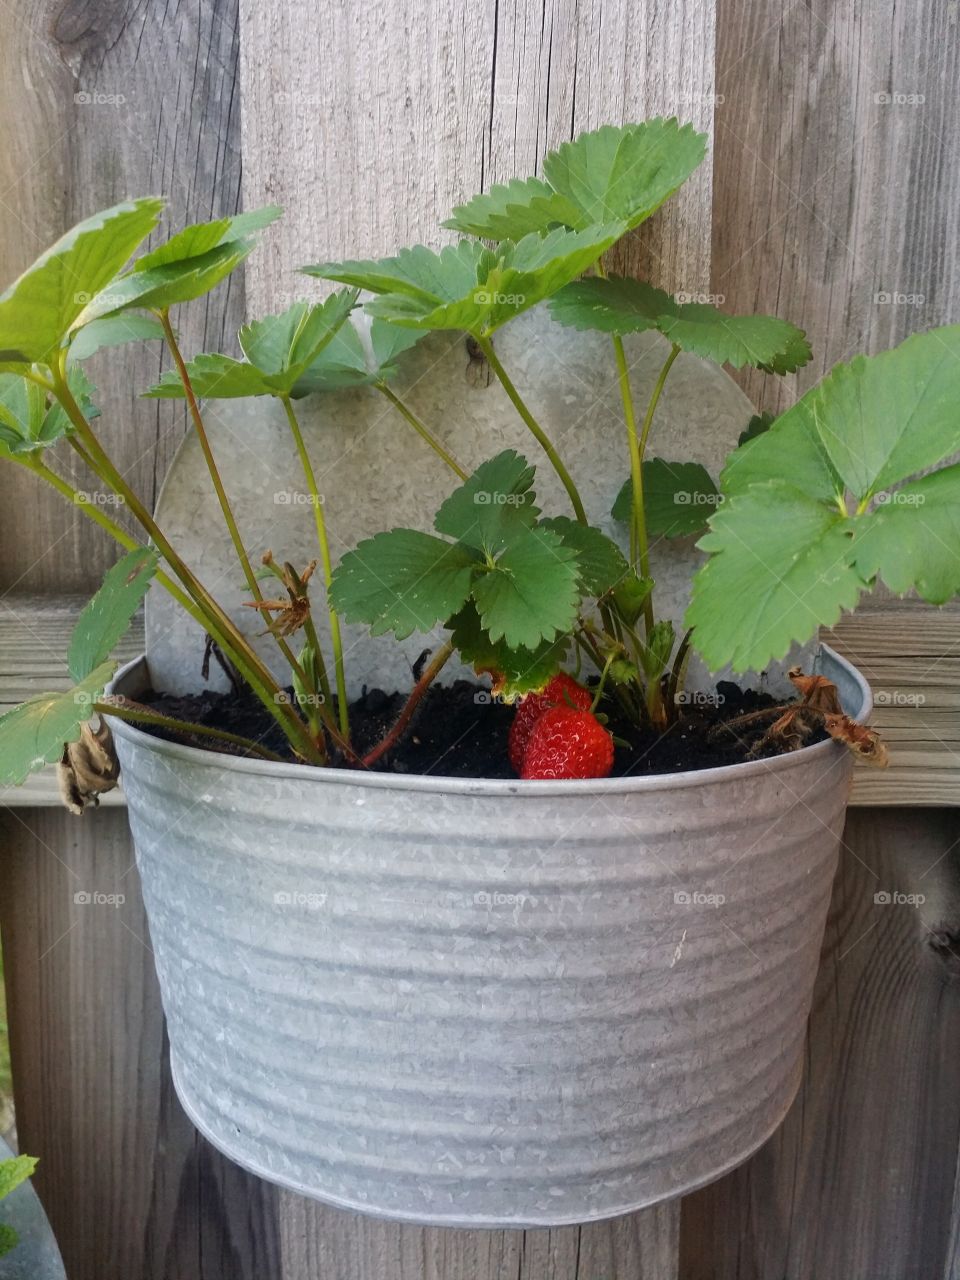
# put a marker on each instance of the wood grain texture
(860, 1181)
(101, 101)
(910, 654)
(826, 198)
(131, 1191)
(369, 122)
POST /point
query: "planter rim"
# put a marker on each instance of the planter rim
(430, 783)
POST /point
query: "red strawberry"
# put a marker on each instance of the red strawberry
(561, 691)
(568, 744)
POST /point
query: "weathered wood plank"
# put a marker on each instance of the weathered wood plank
(130, 1188)
(826, 198)
(370, 122)
(860, 1179)
(107, 101)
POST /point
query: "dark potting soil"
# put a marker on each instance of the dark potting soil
(461, 731)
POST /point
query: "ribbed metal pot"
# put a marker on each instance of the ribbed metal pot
(486, 1003)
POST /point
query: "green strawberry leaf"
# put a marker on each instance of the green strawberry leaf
(490, 503)
(34, 733)
(678, 498)
(514, 671)
(402, 581)
(213, 377)
(15, 1171)
(284, 346)
(532, 592)
(112, 331)
(201, 237)
(28, 422)
(279, 350)
(8, 1238)
(609, 175)
(39, 309)
(620, 305)
(107, 616)
(471, 288)
(345, 362)
(912, 537)
(167, 284)
(867, 426)
(601, 563)
(781, 565)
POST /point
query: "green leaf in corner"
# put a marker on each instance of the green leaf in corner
(602, 565)
(532, 592)
(679, 497)
(15, 1171)
(107, 616)
(34, 733)
(620, 305)
(200, 237)
(402, 581)
(781, 565)
(466, 286)
(346, 362)
(514, 671)
(39, 309)
(610, 175)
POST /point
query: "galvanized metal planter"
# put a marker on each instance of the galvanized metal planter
(486, 1003)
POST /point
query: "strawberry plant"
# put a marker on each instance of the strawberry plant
(850, 487)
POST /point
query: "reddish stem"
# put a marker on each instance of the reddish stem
(416, 693)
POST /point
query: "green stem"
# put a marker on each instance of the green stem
(228, 517)
(216, 621)
(421, 429)
(336, 639)
(638, 448)
(541, 436)
(141, 715)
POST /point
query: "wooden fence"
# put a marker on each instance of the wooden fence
(833, 187)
